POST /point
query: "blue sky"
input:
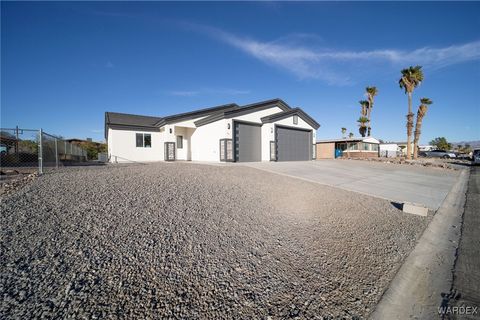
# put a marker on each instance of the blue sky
(64, 64)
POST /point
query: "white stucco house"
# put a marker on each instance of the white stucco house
(264, 131)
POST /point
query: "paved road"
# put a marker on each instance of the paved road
(466, 282)
(400, 183)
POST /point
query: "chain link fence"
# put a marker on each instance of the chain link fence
(34, 150)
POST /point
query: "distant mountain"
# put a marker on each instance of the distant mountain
(473, 144)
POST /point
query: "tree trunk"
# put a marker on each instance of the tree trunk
(422, 110)
(368, 116)
(409, 126)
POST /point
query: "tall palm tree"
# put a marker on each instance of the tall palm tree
(371, 93)
(362, 123)
(422, 110)
(344, 130)
(411, 78)
(364, 104)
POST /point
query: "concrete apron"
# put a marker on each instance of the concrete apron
(426, 275)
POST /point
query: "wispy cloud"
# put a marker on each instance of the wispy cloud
(321, 62)
(191, 93)
(184, 93)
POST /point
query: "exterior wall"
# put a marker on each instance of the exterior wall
(256, 116)
(326, 150)
(388, 150)
(360, 154)
(185, 152)
(267, 136)
(122, 146)
(205, 140)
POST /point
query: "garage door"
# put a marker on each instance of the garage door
(248, 146)
(293, 144)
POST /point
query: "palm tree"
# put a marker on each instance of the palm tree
(371, 93)
(364, 104)
(422, 110)
(350, 135)
(362, 123)
(344, 130)
(411, 78)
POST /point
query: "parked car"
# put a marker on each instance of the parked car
(463, 156)
(476, 157)
(3, 149)
(439, 154)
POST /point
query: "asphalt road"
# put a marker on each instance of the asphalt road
(400, 183)
(466, 283)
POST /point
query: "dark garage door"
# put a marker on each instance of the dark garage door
(293, 144)
(248, 141)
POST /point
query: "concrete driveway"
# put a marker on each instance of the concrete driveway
(399, 183)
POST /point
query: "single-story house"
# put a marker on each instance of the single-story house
(263, 131)
(347, 147)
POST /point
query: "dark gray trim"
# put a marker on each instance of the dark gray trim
(247, 122)
(273, 145)
(195, 114)
(167, 154)
(291, 127)
(225, 158)
(254, 107)
(133, 128)
(285, 114)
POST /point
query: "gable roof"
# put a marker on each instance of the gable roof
(249, 108)
(195, 114)
(130, 119)
(285, 114)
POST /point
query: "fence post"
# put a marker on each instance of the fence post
(16, 145)
(40, 152)
(56, 153)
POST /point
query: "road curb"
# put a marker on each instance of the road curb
(426, 274)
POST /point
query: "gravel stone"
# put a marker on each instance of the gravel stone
(189, 241)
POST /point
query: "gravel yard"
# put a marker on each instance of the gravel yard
(183, 240)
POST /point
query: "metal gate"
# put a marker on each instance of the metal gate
(248, 142)
(293, 144)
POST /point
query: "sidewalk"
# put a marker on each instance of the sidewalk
(466, 283)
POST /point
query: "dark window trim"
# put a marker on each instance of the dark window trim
(143, 139)
(166, 158)
(180, 145)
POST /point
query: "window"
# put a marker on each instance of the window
(144, 140)
(366, 146)
(179, 142)
(295, 119)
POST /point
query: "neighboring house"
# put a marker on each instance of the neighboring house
(402, 147)
(264, 131)
(427, 148)
(347, 147)
(389, 150)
